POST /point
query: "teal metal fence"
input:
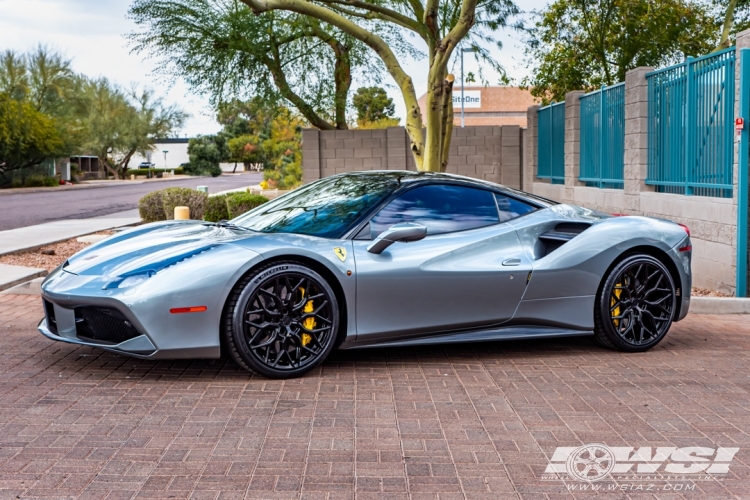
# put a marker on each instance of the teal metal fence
(551, 143)
(691, 126)
(602, 157)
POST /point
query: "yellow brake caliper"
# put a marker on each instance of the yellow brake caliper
(616, 312)
(308, 323)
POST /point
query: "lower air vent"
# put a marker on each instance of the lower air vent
(49, 312)
(104, 324)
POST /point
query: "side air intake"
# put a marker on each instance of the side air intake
(560, 235)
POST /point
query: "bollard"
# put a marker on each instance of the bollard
(132, 177)
(202, 189)
(181, 213)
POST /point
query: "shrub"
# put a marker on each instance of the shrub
(184, 197)
(216, 208)
(35, 180)
(151, 207)
(239, 203)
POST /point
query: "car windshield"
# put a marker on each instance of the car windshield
(325, 208)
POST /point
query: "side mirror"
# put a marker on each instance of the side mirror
(403, 231)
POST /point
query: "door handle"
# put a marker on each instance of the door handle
(512, 262)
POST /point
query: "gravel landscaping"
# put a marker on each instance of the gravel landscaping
(47, 257)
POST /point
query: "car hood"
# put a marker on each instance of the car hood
(151, 248)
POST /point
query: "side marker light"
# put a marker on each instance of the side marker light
(193, 309)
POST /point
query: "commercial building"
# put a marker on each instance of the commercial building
(489, 105)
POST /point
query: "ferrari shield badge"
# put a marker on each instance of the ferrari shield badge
(340, 253)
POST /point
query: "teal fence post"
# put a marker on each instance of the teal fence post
(742, 175)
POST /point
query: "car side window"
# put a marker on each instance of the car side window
(510, 208)
(443, 208)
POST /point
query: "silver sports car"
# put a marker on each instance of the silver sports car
(373, 259)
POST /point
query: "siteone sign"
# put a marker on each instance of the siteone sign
(472, 98)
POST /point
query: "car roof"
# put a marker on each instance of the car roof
(409, 177)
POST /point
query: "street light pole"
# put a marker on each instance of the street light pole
(462, 82)
(462, 88)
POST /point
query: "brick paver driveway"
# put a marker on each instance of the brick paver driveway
(469, 421)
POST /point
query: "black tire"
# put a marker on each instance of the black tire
(282, 321)
(635, 305)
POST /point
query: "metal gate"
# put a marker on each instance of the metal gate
(603, 137)
(690, 126)
(551, 143)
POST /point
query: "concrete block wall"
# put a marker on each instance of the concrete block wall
(483, 152)
(712, 221)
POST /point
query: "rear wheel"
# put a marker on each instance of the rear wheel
(635, 305)
(282, 321)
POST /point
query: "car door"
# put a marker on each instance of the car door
(469, 271)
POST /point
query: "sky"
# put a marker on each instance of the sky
(91, 34)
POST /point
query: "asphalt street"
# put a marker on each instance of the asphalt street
(40, 206)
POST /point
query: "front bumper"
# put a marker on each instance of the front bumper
(137, 321)
(140, 346)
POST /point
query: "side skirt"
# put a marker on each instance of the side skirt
(493, 334)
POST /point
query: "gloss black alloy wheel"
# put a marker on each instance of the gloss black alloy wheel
(635, 305)
(282, 321)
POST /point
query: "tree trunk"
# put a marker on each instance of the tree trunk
(728, 22)
(433, 145)
(447, 122)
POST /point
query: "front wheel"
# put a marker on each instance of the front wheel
(635, 305)
(282, 321)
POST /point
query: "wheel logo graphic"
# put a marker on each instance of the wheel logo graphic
(591, 462)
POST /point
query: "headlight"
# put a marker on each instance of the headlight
(129, 281)
(133, 280)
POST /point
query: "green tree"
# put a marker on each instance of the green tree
(206, 152)
(14, 78)
(245, 149)
(224, 51)
(372, 104)
(120, 124)
(583, 44)
(282, 150)
(44, 79)
(27, 136)
(441, 26)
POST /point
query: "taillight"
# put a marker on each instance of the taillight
(687, 229)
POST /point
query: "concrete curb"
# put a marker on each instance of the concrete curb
(96, 184)
(719, 305)
(33, 287)
(28, 238)
(11, 276)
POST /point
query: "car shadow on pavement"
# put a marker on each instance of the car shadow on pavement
(86, 359)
